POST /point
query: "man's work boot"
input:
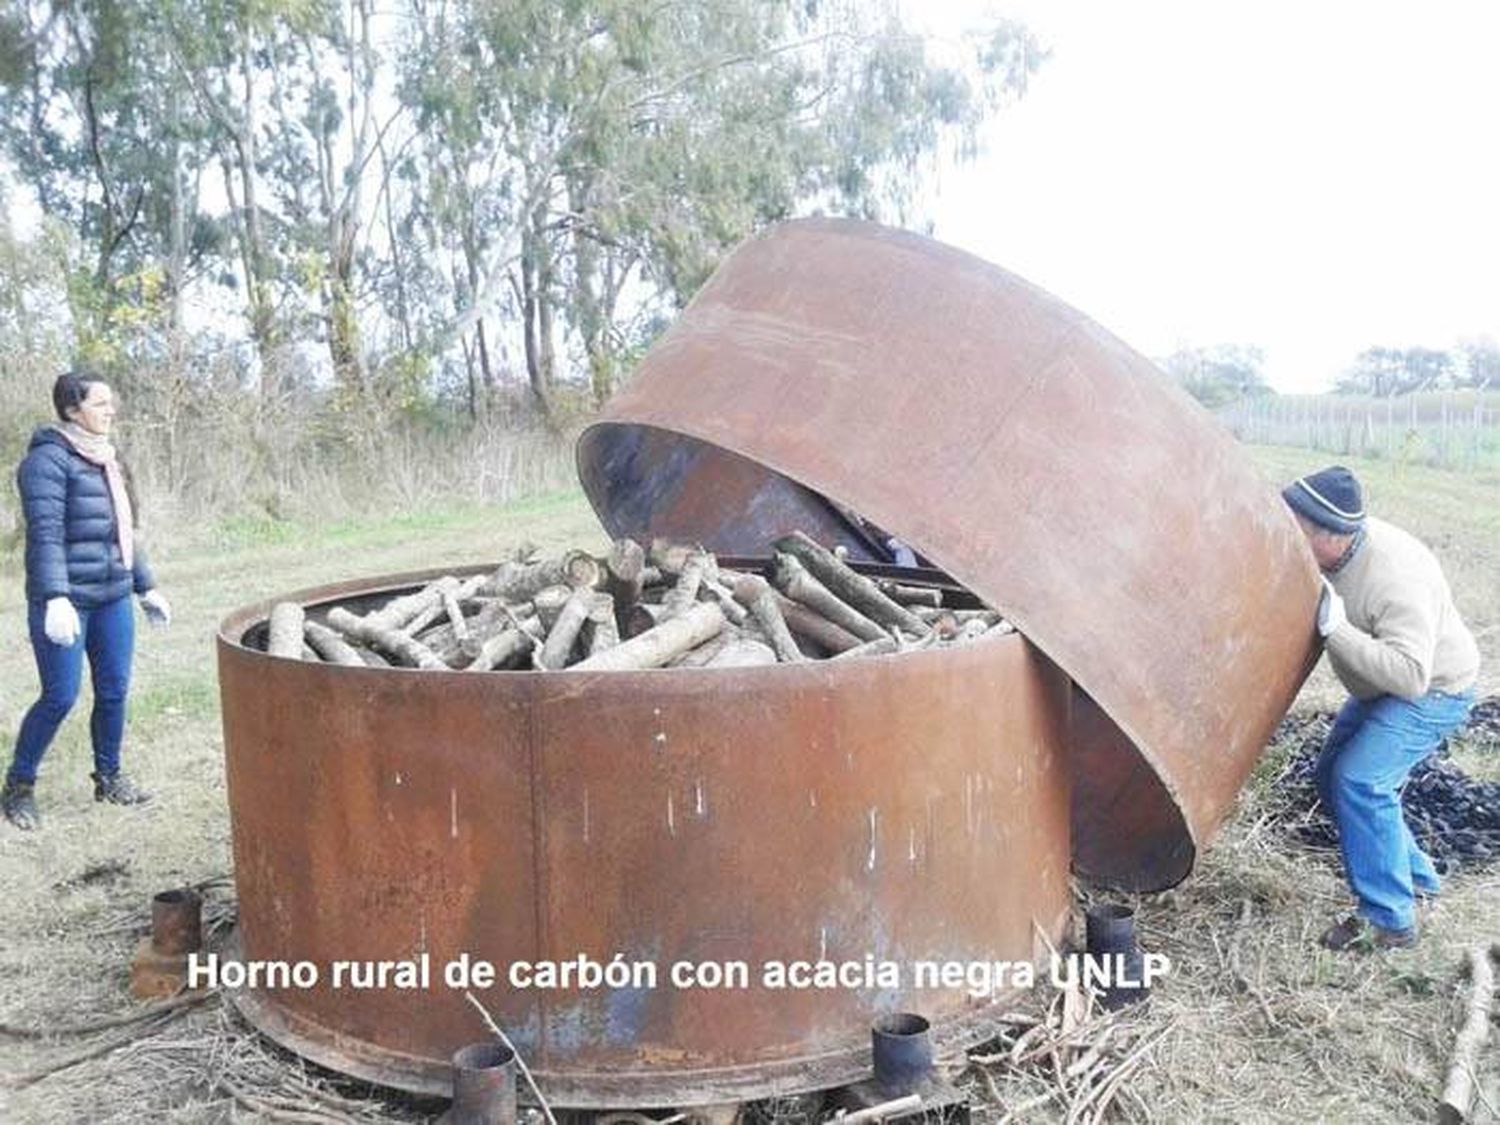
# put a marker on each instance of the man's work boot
(19, 805)
(1354, 934)
(118, 789)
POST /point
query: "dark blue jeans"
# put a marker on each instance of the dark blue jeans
(107, 638)
(1372, 747)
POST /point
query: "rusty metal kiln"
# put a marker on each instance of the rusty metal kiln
(916, 807)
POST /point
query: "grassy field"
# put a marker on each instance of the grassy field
(1313, 1038)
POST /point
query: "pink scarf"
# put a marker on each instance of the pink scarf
(97, 450)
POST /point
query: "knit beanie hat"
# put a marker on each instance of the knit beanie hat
(1330, 498)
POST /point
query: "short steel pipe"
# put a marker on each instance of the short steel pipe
(177, 922)
(901, 1049)
(484, 1085)
(1109, 934)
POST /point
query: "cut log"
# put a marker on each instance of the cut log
(503, 648)
(447, 589)
(853, 588)
(286, 630)
(702, 654)
(796, 583)
(330, 646)
(558, 647)
(582, 570)
(399, 611)
(682, 595)
(371, 657)
(756, 595)
(519, 581)
(670, 557)
(455, 615)
(813, 627)
(929, 596)
(603, 626)
(1463, 1066)
(742, 653)
(715, 586)
(878, 647)
(625, 566)
(657, 646)
(385, 637)
(549, 604)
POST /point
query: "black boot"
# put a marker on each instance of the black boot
(19, 805)
(118, 789)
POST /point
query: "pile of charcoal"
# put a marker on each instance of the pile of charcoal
(1454, 818)
(670, 606)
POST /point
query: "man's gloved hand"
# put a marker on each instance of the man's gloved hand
(157, 609)
(61, 624)
(1330, 610)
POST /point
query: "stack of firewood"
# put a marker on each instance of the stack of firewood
(673, 606)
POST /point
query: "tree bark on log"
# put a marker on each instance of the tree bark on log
(625, 565)
(445, 588)
(929, 596)
(549, 604)
(400, 611)
(330, 646)
(858, 591)
(503, 648)
(670, 558)
(715, 587)
(699, 656)
(684, 594)
(1463, 1067)
(603, 626)
(743, 653)
(554, 653)
(520, 581)
(655, 647)
(813, 627)
(387, 638)
(286, 630)
(796, 583)
(878, 647)
(756, 595)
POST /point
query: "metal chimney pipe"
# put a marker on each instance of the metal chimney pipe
(484, 1085)
(177, 922)
(901, 1046)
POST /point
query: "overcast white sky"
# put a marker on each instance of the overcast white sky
(1315, 178)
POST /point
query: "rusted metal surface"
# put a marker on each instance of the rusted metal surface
(177, 921)
(158, 968)
(1024, 450)
(898, 808)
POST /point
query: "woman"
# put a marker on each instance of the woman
(81, 566)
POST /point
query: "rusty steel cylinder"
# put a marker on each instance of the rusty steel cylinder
(882, 811)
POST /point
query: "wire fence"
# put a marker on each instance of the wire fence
(1455, 429)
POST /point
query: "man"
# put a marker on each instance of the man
(1396, 642)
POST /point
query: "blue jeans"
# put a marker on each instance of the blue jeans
(1369, 752)
(107, 636)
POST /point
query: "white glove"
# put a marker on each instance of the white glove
(1330, 610)
(61, 625)
(157, 609)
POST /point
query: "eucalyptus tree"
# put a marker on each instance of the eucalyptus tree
(598, 154)
(105, 142)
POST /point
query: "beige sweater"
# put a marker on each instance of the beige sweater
(1404, 636)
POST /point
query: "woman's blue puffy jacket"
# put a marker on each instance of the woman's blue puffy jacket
(72, 550)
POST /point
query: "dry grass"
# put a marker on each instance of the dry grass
(1255, 1023)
